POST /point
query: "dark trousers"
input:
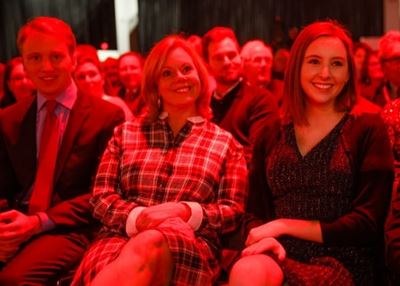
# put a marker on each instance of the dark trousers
(43, 259)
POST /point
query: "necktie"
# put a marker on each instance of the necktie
(44, 181)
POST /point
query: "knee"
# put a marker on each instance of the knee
(146, 247)
(264, 271)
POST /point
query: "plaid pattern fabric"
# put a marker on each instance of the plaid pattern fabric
(145, 165)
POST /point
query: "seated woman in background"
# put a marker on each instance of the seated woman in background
(17, 85)
(168, 184)
(321, 181)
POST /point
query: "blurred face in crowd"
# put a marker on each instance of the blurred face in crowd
(224, 61)
(324, 71)
(391, 63)
(179, 83)
(359, 58)
(110, 69)
(48, 63)
(257, 65)
(130, 71)
(374, 67)
(89, 79)
(19, 83)
(280, 60)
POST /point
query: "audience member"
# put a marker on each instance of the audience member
(321, 180)
(130, 74)
(168, 184)
(90, 82)
(237, 107)
(49, 150)
(112, 83)
(389, 54)
(16, 83)
(281, 58)
(257, 68)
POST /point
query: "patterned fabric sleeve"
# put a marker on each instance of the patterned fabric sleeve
(108, 205)
(224, 214)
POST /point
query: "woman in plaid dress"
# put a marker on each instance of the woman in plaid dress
(168, 184)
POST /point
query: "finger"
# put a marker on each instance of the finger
(8, 216)
(280, 252)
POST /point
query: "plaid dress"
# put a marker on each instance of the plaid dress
(145, 165)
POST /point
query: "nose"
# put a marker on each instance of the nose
(325, 72)
(46, 64)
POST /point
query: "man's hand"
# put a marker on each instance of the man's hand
(15, 229)
(155, 215)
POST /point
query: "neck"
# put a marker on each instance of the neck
(317, 116)
(177, 118)
(223, 88)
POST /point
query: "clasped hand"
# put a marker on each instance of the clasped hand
(153, 216)
(15, 229)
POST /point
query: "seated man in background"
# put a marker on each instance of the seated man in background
(50, 145)
(257, 68)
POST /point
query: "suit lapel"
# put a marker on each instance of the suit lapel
(78, 114)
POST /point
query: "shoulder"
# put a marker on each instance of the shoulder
(365, 122)
(216, 133)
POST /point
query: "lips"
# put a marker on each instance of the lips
(323, 86)
(182, 89)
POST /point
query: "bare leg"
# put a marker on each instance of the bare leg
(144, 260)
(256, 270)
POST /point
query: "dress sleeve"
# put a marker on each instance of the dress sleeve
(225, 213)
(108, 204)
(372, 162)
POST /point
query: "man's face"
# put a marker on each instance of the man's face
(224, 61)
(48, 63)
(391, 63)
(257, 66)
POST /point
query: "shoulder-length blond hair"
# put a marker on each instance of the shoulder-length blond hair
(152, 71)
(294, 98)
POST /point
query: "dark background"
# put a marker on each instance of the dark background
(93, 21)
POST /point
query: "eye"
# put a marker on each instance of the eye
(187, 69)
(166, 73)
(313, 61)
(56, 57)
(337, 63)
(34, 57)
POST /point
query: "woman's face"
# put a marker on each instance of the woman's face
(19, 84)
(89, 80)
(324, 71)
(179, 83)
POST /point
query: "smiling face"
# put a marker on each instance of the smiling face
(48, 63)
(179, 83)
(257, 66)
(324, 71)
(224, 61)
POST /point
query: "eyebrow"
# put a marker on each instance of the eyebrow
(317, 56)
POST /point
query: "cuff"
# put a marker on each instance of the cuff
(46, 223)
(196, 218)
(131, 221)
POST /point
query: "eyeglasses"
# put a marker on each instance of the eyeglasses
(395, 60)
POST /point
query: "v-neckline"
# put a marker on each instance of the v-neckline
(318, 144)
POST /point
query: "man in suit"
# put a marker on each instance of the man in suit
(50, 145)
(238, 107)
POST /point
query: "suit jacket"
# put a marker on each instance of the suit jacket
(90, 125)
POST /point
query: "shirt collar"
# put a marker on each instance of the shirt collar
(193, 119)
(66, 98)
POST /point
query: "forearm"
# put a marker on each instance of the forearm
(302, 229)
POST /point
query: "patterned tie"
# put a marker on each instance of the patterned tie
(44, 181)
